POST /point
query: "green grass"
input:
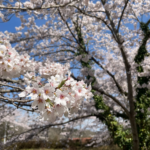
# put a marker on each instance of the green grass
(97, 148)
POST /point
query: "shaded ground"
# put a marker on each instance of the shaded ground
(98, 148)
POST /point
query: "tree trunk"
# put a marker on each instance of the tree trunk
(134, 132)
(132, 113)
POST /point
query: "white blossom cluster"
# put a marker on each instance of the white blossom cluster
(52, 69)
(11, 63)
(61, 95)
(58, 95)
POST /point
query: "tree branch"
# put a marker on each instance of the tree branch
(112, 76)
(126, 3)
(36, 8)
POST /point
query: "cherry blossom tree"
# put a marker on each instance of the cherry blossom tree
(106, 43)
(47, 86)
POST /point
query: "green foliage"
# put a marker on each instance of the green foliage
(99, 104)
(139, 69)
(143, 94)
(61, 84)
(142, 51)
(120, 136)
(144, 27)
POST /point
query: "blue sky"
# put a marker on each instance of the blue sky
(10, 25)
